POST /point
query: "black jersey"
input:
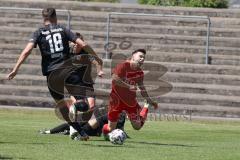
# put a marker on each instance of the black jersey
(53, 41)
(83, 66)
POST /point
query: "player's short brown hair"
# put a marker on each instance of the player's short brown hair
(79, 35)
(49, 13)
(139, 50)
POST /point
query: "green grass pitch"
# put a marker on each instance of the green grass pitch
(162, 140)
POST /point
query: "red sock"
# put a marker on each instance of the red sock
(143, 115)
(105, 129)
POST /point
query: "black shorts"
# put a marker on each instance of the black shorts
(74, 84)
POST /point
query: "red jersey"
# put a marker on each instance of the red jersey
(129, 76)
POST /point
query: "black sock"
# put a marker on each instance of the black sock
(121, 121)
(59, 128)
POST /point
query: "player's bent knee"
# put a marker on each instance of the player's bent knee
(136, 125)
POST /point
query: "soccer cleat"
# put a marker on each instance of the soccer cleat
(127, 136)
(44, 131)
(106, 137)
(82, 136)
(147, 105)
(72, 132)
(74, 135)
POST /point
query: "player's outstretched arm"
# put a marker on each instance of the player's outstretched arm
(145, 95)
(99, 68)
(21, 59)
(89, 50)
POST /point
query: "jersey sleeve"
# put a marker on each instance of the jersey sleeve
(34, 37)
(70, 35)
(120, 70)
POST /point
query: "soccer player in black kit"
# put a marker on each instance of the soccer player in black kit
(53, 42)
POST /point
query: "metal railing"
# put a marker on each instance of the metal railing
(38, 9)
(162, 15)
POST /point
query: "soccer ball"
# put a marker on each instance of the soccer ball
(117, 136)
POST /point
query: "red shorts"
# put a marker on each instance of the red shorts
(116, 106)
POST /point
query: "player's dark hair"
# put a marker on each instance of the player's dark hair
(79, 35)
(49, 13)
(139, 50)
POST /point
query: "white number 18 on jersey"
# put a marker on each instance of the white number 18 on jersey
(55, 42)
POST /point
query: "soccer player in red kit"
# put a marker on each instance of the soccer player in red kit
(126, 77)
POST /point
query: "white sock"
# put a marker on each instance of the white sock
(48, 132)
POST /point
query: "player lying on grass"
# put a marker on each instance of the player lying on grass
(126, 77)
(93, 127)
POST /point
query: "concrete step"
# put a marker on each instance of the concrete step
(137, 37)
(25, 80)
(200, 99)
(10, 56)
(33, 101)
(202, 108)
(191, 70)
(151, 80)
(226, 22)
(158, 68)
(101, 90)
(185, 111)
(152, 47)
(157, 29)
(100, 36)
(28, 91)
(109, 7)
(27, 101)
(206, 78)
(163, 67)
(95, 16)
(178, 57)
(201, 78)
(210, 89)
(171, 111)
(158, 57)
(28, 69)
(201, 68)
(129, 28)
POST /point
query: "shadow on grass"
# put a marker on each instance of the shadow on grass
(149, 143)
(102, 145)
(5, 157)
(7, 143)
(161, 144)
(108, 145)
